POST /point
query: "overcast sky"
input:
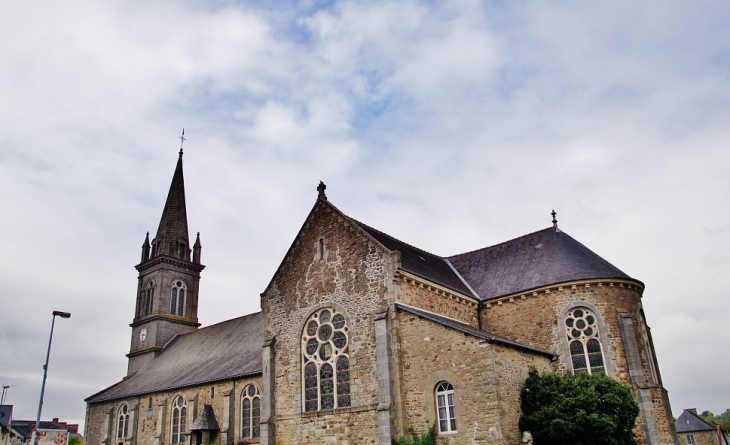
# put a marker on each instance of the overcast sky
(452, 125)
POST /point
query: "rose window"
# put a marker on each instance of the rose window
(581, 325)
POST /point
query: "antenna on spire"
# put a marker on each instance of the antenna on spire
(182, 139)
(555, 221)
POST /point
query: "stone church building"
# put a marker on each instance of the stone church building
(362, 337)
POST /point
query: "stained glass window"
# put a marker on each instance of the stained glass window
(177, 298)
(445, 407)
(586, 355)
(325, 360)
(179, 417)
(123, 423)
(250, 412)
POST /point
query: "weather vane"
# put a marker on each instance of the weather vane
(182, 139)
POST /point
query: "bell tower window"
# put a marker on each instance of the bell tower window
(148, 297)
(177, 298)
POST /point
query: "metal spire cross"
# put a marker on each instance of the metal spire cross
(182, 139)
(555, 221)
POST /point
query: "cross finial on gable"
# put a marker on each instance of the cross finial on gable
(320, 189)
(555, 221)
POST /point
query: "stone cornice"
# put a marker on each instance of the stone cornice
(415, 280)
(169, 260)
(159, 315)
(546, 290)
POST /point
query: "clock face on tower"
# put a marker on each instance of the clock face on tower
(142, 335)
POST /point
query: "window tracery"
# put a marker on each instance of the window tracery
(250, 412)
(122, 422)
(325, 360)
(177, 298)
(586, 354)
(179, 420)
(445, 407)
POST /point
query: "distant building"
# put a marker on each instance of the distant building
(24, 429)
(694, 430)
(362, 337)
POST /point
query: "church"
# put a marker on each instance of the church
(362, 338)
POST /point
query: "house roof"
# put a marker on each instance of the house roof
(419, 262)
(689, 421)
(6, 412)
(469, 330)
(222, 351)
(542, 258)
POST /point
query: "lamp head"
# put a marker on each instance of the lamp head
(62, 314)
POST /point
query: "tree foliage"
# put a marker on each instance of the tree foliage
(723, 419)
(578, 410)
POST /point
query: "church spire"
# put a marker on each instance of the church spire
(172, 233)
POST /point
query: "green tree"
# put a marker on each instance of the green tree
(578, 410)
(708, 417)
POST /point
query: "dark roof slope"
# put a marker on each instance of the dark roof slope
(174, 220)
(690, 421)
(542, 258)
(469, 330)
(226, 350)
(419, 262)
(6, 412)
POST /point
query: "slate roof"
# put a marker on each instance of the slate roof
(227, 350)
(419, 262)
(542, 258)
(689, 421)
(469, 330)
(6, 412)
(174, 220)
(206, 420)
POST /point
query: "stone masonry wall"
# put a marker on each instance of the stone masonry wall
(150, 422)
(438, 300)
(487, 381)
(535, 319)
(331, 264)
(701, 438)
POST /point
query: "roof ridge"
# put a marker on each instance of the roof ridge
(396, 239)
(502, 243)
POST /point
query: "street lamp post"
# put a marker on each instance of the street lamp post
(45, 373)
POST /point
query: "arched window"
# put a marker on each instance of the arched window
(179, 419)
(122, 422)
(177, 298)
(148, 296)
(586, 354)
(445, 407)
(325, 361)
(250, 412)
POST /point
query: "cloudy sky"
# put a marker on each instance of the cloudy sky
(452, 125)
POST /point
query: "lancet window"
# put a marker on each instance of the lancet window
(325, 361)
(250, 412)
(177, 298)
(586, 354)
(148, 296)
(122, 422)
(179, 420)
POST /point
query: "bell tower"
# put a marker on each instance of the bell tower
(167, 289)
